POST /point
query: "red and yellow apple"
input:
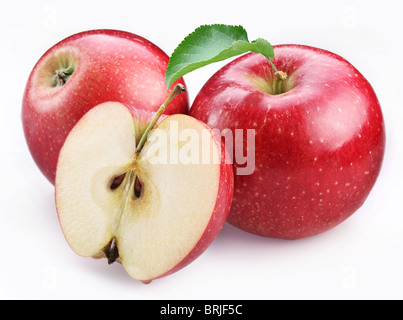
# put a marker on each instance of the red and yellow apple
(83, 71)
(319, 138)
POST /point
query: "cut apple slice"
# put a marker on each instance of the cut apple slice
(154, 211)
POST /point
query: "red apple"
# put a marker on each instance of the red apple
(83, 71)
(153, 215)
(319, 141)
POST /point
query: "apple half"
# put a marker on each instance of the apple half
(152, 216)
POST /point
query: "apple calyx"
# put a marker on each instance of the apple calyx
(62, 75)
(111, 251)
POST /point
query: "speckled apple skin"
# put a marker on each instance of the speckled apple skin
(111, 65)
(319, 147)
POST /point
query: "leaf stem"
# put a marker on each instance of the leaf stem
(177, 90)
(273, 66)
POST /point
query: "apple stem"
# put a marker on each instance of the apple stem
(279, 77)
(278, 81)
(177, 90)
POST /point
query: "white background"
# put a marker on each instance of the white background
(360, 259)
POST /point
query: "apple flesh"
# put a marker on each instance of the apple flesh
(153, 217)
(319, 141)
(83, 71)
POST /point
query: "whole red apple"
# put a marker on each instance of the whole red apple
(83, 71)
(319, 139)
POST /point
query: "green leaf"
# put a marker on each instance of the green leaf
(209, 44)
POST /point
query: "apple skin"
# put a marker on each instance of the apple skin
(319, 146)
(109, 65)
